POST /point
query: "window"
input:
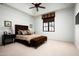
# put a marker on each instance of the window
(48, 22)
(48, 26)
(45, 26)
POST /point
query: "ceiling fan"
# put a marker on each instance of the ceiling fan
(37, 5)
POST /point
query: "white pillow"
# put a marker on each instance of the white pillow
(24, 32)
(29, 32)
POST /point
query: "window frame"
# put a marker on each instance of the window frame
(49, 19)
(48, 30)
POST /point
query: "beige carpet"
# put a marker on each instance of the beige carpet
(50, 48)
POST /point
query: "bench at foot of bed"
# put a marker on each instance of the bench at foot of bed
(36, 42)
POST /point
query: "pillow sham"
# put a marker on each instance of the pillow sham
(19, 32)
(29, 32)
(24, 32)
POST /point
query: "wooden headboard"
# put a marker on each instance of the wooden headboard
(20, 27)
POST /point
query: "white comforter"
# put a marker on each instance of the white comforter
(27, 37)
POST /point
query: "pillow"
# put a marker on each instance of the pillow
(29, 32)
(20, 32)
(24, 32)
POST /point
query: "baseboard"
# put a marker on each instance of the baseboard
(63, 41)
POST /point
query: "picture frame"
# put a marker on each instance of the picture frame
(30, 25)
(7, 23)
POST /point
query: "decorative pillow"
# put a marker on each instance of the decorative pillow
(24, 32)
(19, 32)
(29, 32)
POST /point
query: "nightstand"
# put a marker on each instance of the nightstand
(9, 38)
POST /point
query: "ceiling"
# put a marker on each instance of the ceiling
(50, 7)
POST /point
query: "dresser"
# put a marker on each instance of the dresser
(8, 38)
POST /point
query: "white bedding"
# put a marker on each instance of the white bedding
(27, 37)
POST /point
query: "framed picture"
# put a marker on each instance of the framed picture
(30, 25)
(7, 23)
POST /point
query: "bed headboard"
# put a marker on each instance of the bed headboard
(20, 27)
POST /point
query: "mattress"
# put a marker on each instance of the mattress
(27, 37)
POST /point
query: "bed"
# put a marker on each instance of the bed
(32, 40)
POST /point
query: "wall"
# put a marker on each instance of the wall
(9, 14)
(64, 25)
(76, 27)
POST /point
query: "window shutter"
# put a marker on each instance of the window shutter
(48, 17)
